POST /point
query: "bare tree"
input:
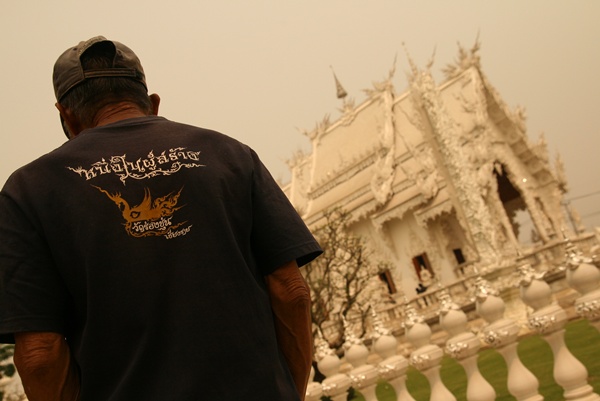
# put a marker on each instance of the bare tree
(341, 278)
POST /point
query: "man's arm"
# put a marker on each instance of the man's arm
(47, 370)
(290, 301)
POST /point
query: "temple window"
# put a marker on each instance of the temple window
(387, 278)
(460, 258)
(423, 268)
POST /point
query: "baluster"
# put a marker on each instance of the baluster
(363, 375)
(426, 357)
(336, 384)
(314, 391)
(549, 319)
(584, 278)
(393, 367)
(463, 346)
(502, 334)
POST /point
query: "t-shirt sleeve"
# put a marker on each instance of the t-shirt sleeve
(32, 295)
(279, 235)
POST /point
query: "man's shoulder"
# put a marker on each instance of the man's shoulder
(209, 132)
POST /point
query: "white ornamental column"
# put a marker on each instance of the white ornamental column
(502, 334)
(584, 278)
(314, 391)
(426, 357)
(336, 384)
(363, 375)
(549, 319)
(463, 346)
(393, 367)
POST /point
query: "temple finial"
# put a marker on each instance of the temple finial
(340, 92)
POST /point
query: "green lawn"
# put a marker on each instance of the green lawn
(582, 339)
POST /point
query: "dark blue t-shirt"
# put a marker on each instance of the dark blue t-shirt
(145, 242)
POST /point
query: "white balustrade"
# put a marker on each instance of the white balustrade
(363, 375)
(426, 357)
(549, 319)
(335, 385)
(584, 278)
(502, 334)
(314, 390)
(393, 367)
(463, 346)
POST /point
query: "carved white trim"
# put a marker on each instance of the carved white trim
(384, 168)
(432, 213)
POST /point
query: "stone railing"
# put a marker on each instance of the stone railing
(549, 259)
(387, 361)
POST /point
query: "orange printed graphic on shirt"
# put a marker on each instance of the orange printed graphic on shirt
(152, 217)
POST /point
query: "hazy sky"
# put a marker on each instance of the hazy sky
(259, 70)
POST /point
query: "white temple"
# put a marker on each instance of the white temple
(442, 180)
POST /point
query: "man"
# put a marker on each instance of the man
(146, 259)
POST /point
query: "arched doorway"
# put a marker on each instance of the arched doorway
(516, 209)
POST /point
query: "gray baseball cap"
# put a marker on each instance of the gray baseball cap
(68, 72)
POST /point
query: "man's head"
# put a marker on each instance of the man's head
(93, 75)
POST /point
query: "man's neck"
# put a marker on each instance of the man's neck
(117, 112)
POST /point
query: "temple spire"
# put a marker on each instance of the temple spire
(340, 92)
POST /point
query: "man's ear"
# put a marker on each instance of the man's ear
(70, 123)
(155, 100)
